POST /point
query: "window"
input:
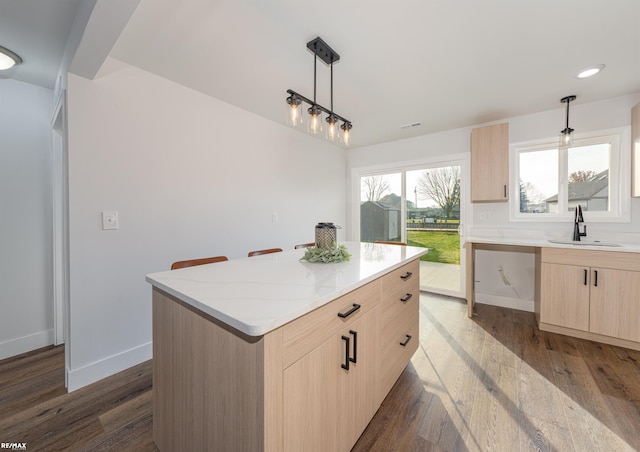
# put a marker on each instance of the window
(549, 183)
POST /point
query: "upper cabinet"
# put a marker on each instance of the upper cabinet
(490, 163)
(635, 151)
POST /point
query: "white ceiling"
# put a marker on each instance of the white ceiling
(446, 64)
(37, 31)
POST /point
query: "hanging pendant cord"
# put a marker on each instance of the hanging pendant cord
(332, 85)
(315, 63)
(568, 114)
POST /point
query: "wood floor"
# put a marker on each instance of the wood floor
(494, 383)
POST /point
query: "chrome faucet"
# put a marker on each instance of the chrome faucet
(576, 225)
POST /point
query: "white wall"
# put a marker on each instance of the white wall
(608, 114)
(190, 176)
(26, 285)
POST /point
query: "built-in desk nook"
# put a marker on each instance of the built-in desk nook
(588, 290)
(271, 353)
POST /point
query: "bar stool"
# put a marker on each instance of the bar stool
(390, 243)
(305, 245)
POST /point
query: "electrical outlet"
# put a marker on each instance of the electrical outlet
(274, 217)
(484, 216)
(109, 220)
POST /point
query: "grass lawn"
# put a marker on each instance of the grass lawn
(444, 246)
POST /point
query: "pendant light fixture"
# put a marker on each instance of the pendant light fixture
(8, 59)
(314, 122)
(566, 135)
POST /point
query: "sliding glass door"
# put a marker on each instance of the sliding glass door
(419, 206)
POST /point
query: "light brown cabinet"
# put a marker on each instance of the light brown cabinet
(565, 296)
(635, 151)
(328, 393)
(312, 384)
(596, 292)
(490, 163)
(615, 303)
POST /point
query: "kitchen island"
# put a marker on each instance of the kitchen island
(273, 353)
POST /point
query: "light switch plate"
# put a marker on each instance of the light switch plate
(109, 220)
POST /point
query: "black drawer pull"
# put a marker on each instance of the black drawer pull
(345, 366)
(585, 277)
(405, 342)
(407, 298)
(406, 275)
(595, 283)
(355, 346)
(344, 315)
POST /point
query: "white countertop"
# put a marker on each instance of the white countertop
(258, 294)
(532, 242)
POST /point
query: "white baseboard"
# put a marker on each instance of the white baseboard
(505, 302)
(83, 376)
(24, 344)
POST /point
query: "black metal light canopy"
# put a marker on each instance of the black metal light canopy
(322, 50)
(566, 135)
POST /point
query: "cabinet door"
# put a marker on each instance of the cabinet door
(326, 407)
(490, 163)
(615, 303)
(564, 296)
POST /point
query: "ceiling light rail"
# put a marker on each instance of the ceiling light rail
(320, 50)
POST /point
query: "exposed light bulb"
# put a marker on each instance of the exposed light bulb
(566, 138)
(315, 123)
(333, 129)
(346, 134)
(294, 115)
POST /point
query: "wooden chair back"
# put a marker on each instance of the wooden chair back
(391, 243)
(194, 262)
(268, 251)
(305, 245)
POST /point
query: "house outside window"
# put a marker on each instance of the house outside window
(549, 183)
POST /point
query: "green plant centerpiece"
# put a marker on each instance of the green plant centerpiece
(336, 253)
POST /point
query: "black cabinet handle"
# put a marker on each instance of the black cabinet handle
(595, 283)
(585, 276)
(345, 366)
(344, 315)
(505, 190)
(355, 346)
(405, 342)
(407, 298)
(406, 275)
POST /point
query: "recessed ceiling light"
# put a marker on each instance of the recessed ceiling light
(8, 59)
(590, 71)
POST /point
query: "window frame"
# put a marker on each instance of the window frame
(619, 177)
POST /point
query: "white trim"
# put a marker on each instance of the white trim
(619, 179)
(24, 344)
(466, 208)
(505, 302)
(78, 378)
(60, 195)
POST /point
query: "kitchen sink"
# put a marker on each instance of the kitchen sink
(583, 243)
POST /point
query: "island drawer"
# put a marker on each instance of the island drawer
(395, 356)
(394, 314)
(402, 278)
(306, 333)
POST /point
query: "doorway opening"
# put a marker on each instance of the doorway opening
(420, 206)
